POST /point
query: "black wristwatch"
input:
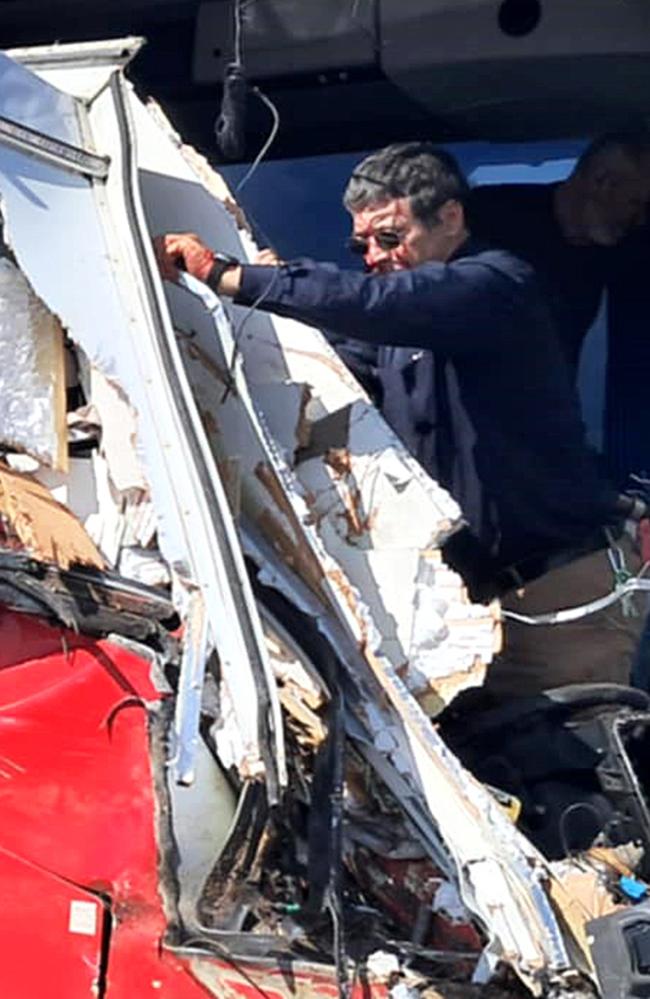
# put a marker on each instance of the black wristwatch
(222, 262)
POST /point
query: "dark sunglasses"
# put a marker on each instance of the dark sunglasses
(386, 239)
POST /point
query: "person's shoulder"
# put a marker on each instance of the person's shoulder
(494, 260)
(498, 276)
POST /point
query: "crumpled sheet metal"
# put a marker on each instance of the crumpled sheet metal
(32, 384)
(375, 511)
(119, 433)
(237, 430)
(499, 874)
(382, 520)
(444, 630)
(374, 478)
(88, 257)
(320, 471)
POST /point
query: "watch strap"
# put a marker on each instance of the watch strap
(222, 262)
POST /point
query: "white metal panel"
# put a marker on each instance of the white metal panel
(498, 871)
(76, 242)
(94, 62)
(40, 106)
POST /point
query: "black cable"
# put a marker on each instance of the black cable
(230, 130)
(211, 945)
(231, 139)
(334, 902)
(230, 374)
(576, 806)
(230, 127)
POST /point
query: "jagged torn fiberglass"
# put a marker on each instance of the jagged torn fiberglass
(209, 494)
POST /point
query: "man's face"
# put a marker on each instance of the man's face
(619, 195)
(415, 242)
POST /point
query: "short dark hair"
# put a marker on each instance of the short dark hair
(634, 144)
(423, 173)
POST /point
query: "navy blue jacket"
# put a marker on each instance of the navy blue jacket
(482, 312)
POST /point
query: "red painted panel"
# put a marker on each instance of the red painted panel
(75, 774)
(77, 799)
(51, 935)
(76, 781)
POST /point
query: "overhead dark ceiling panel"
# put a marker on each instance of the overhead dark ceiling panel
(345, 107)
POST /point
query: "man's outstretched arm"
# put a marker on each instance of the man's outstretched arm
(446, 307)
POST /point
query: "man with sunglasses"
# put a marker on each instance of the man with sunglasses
(510, 440)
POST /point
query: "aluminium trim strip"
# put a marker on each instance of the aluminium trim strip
(197, 647)
(109, 52)
(53, 151)
(270, 717)
(230, 571)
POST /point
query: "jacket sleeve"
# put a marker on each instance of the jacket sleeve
(455, 308)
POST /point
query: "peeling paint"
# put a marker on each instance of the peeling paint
(196, 353)
(293, 548)
(357, 522)
(348, 594)
(339, 460)
(303, 426)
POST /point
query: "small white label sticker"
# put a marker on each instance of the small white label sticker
(83, 918)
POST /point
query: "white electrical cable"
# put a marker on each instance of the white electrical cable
(568, 614)
(275, 125)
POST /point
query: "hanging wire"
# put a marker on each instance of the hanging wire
(239, 9)
(269, 141)
(229, 127)
(237, 334)
(567, 614)
(578, 806)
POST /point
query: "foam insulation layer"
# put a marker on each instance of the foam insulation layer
(32, 396)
